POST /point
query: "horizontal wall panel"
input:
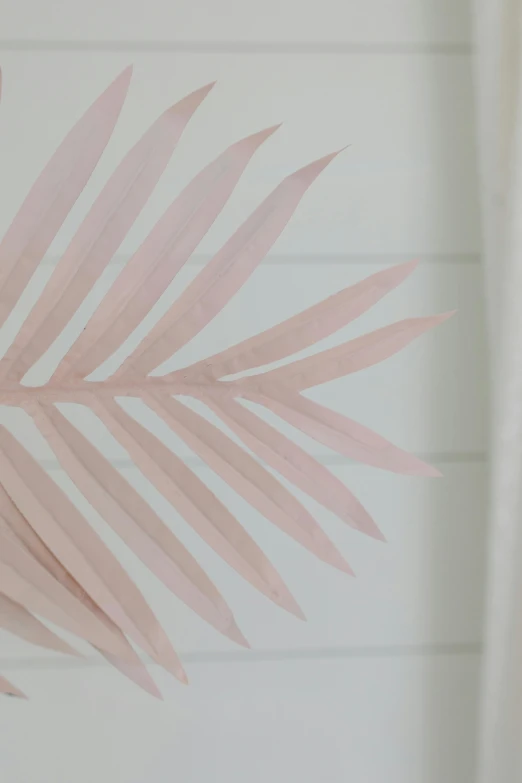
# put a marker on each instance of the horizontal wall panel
(423, 587)
(406, 183)
(399, 21)
(401, 721)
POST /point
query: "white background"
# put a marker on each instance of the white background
(380, 685)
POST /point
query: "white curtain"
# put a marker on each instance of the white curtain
(498, 80)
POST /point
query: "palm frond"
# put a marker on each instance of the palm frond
(52, 563)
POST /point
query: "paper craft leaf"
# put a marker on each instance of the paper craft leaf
(53, 565)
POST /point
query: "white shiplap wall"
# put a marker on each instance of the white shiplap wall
(380, 684)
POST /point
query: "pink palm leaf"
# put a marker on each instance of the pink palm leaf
(52, 563)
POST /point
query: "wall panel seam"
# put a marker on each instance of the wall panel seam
(374, 652)
(438, 458)
(459, 49)
(311, 259)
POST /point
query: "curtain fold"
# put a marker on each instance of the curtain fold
(498, 82)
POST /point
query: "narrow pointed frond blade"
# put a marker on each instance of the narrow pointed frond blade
(133, 519)
(247, 477)
(340, 433)
(27, 582)
(302, 330)
(224, 275)
(98, 238)
(349, 357)
(95, 623)
(54, 193)
(8, 689)
(15, 619)
(200, 508)
(136, 672)
(73, 541)
(153, 267)
(292, 462)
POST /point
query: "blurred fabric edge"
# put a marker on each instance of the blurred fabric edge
(498, 89)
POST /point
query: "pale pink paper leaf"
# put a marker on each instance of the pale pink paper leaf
(133, 520)
(247, 477)
(15, 619)
(224, 275)
(99, 237)
(158, 260)
(350, 357)
(55, 192)
(73, 541)
(52, 559)
(340, 433)
(195, 503)
(8, 689)
(295, 464)
(302, 330)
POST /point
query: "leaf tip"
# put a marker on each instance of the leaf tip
(428, 471)
(408, 267)
(435, 320)
(14, 693)
(122, 81)
(291, 605)
(256, 139)
(150, 687)
(343, 566)
(113, 97)
(236, 635)
(202, 92)
(312, 170)
(264, 134)
(378, 535)
(369, 528)
(449, 314)
(188, 105)
(175, 668)
(331, 555)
